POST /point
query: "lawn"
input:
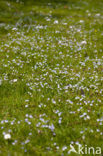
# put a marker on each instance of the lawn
(51, 77)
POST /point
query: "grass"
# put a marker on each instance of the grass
(51, 77)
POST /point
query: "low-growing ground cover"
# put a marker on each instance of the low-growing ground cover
(51, 77)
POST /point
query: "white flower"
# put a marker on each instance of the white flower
(81, 21)
(88, 117)
(97, 15)
(83, 42)
(14, 80)
(14, 29)
(26, 106)
(56, 22)
(64, 148)
(7, 136)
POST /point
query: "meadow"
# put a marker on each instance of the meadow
(51, 77)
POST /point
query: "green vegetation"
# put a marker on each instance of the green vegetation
(51, 77)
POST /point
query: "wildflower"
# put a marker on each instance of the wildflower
(7, 136)
(14, 29)
(81, 21)
(55, 22)
(83, 42)
(64, 148)
(14, 80)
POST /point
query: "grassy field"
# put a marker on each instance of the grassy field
(51, 77)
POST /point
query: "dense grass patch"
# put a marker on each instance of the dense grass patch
(51, 76)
